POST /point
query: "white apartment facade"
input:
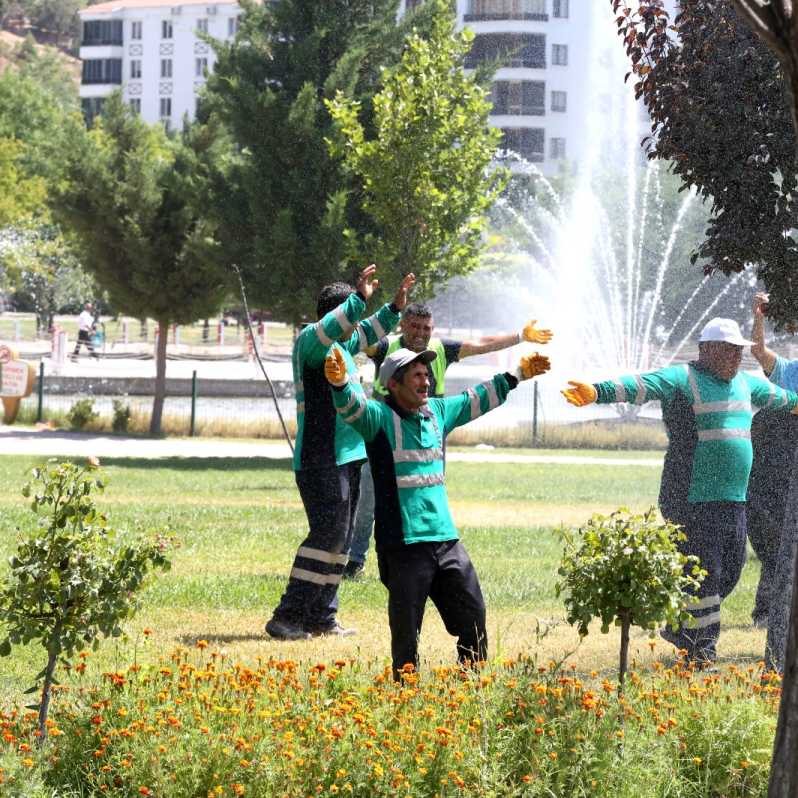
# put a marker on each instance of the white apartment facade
(153, 52)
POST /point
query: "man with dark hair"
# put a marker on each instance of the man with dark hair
(328, 454)
(418, 548)
(417, 328)
(707, 408)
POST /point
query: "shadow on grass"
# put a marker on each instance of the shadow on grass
(193, 639)
(189, 463)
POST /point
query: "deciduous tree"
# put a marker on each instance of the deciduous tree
(425, 170)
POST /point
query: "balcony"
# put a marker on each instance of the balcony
(102, 71)
(98, 33)
(492, 10)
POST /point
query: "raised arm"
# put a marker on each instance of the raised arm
(487, 396)
(493, 343)
(351, 404)
(768, 395)
(371, 330)
(760, 350)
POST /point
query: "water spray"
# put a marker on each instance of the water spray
(254, 342)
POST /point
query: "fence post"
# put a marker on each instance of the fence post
(193, 403)
(535, 400)
(40, 407)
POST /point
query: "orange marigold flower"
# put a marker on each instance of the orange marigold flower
(145, 791)
(553, 756)
(202, 644)
(146, 631)
(238, 789)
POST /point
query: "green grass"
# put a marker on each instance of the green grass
(239, 522)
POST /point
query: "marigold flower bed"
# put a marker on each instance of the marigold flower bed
(197, 724)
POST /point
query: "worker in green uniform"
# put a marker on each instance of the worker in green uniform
(417, 334)
(707, 407)
(328, 455)
(418, 549)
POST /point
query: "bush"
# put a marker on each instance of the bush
(121, 418)
(81, 413)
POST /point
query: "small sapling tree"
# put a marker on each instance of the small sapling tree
(627, 571)
(72, 579)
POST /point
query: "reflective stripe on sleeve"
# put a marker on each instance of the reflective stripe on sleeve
(329, 557)
(419, 480)
(379, 330)
(693, 386)
(321, 335)
(359, 412)
(476, 409)
(620, 392)
(349, 405)
(342, 320)
(300, 407)
(723, 434)
(642, 392)
(493, 397)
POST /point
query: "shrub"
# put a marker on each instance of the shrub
(627, 570)
(121, 418)
(81, 413)
(72, 580)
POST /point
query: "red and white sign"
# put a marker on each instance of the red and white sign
(15, 378)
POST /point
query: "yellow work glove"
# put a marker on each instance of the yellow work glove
(534, 336)
(532, 366)
(335, 368)
(580, 393)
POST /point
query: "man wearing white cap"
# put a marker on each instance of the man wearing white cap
(419, 553)
(707, 410)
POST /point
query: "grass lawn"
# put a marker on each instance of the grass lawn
(239, 523)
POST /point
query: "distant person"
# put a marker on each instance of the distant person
(707, 410)
(417, 328)
(85, 331)
(773, 496)
(328, 454)
(419, 553)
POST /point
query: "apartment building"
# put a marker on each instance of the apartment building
(542, 48)
(152, 51)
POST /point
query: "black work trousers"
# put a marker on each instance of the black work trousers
(444, 573)
(330, 497)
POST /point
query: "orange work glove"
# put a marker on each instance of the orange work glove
(580, 393)
(335, 368)
(534, 336)
(532, 366)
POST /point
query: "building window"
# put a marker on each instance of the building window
(527, 97)
(200, 67)
(556, 148)
(102, 70)
(91, 107)
(232, 26)
(166, 67)
(505, 9)
(135, 105)
(166, 28)
(166, 107)
(559, 101)
(135, 30)
(560, 9)
(525, 141)
(559, 54)
(509, 50)
(102, 31)
(135, 69)
(202, 25)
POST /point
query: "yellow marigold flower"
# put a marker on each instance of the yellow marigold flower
(28, 762)
(244, 763)
(697, 760)
(744, 763)
(553, 756)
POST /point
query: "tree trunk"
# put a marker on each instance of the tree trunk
(160, 378)
(624, 662)
(44, 706)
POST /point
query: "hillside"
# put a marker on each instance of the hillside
(11, 42)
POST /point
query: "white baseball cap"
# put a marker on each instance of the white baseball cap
(725, 330)
(400, 358)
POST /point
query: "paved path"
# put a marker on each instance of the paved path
(47, 443)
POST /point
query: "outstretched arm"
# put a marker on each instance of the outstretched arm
(760, 350)
(493, 343)
(636, 389)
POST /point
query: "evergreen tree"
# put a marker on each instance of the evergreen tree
(289, 204)
(135, 199)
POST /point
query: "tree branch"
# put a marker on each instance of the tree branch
(763, 21)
